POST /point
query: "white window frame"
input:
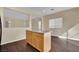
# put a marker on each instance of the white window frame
(56, 23)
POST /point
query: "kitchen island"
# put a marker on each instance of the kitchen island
(41, 40)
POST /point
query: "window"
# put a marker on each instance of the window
(39, 25)
(56, 23)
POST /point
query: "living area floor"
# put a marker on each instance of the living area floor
(58, 45)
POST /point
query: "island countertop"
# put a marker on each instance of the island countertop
(39, 31)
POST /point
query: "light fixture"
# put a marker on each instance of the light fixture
(51, 9)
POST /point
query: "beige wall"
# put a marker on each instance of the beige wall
(70, 17)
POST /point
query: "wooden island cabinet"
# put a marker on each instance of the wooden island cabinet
(39, 40)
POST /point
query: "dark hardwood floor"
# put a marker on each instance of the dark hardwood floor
(58, 45)
(19, 46)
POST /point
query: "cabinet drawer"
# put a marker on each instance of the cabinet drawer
(38, 34)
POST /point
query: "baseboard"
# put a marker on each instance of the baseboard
(68, 38)
(11, 41)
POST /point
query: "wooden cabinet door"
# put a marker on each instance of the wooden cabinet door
(37, 40)
(34, 39)
(39, 43)
(28, 36)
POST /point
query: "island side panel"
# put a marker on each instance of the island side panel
(47, 41)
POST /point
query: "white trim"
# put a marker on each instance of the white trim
(68, 38)
(62, 37)
(11, 41)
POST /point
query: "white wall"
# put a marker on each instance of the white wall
(11, 34)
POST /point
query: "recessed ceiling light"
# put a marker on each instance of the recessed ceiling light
(51, 9)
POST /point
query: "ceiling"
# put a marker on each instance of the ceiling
(41, 11)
